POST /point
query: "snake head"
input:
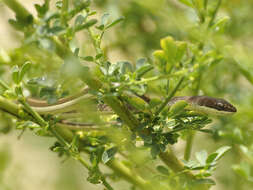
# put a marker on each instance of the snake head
(217, 105)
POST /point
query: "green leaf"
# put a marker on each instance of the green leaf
(124, 67)
(113, 69)
(108, 154)
(18, 91)
(217, 154)
(159, 55)
(154, 102)
(187, 2)
(177, 108)
(170, 48)
(137, 103)
(27, 124)
(88, 24)
(191, 164)
(205, 181)
(104, 21)
(98, 56)
(221, 151)
(88, 58)
(155, 150)
(161, 60)
(105, 18)
(24, 70)
(163, 170)
(140, 62)
(94, 160)
(10, 94)
(118, 20)
(210, 159)
(17, 25)
(79, 20)
(201, 157)
(52, 99)
(94, 176)
(221, 24)
(15, 74)
(49, 93)
(143, 70)
(181, 50)
(42, 9)
(58, 4)
(56, 30)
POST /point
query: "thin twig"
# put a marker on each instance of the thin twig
(169, 97)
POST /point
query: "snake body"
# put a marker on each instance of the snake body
(201, 104)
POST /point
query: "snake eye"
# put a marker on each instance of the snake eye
(219, 104)
(225, 106)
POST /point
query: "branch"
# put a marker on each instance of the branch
(9, 106)
(126, 173)
(67, 135)
(117, 106)
(177, 166)
(189, 142)
(21, 12)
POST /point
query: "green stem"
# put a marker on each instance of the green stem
(4, 85)
(151, 79)
(122, 111)
(126, 173)
(205, 4)
(59, 137)
(78, 9)
(189, 142)
(172, 162)
(82, 161)
(64, 11)
(9, 106)
(94, 42)
(191, 134)
(177, 166)
(160, 109)
(215, 13)
(106, 184)
(65, 6)
(97, 44)
(20, 11)
(36, 116)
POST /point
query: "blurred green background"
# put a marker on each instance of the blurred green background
(28, 164)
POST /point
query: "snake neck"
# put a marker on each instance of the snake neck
(175, 99)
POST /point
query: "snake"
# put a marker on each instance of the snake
(201, 104)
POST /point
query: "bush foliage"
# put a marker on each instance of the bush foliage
(69, 80)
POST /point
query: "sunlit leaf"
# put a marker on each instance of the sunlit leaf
(109, 154)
